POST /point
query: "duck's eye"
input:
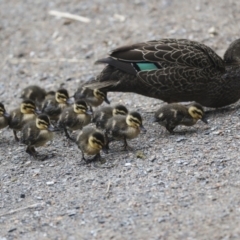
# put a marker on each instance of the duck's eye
(81, 108)
(135, 121)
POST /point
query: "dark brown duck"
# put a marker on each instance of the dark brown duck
(173, 70)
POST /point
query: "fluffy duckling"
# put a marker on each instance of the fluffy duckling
(75, 117)
(93, 97)
(49, 95)
(91, 141)
(174, 114)
(34, 92)
(101, 116)
(36, 133)
(54, 105)
(124, 127)
(21, 116)
(4, 117)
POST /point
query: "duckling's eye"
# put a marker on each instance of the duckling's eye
(97, 142)
(42, 123)
(135, 121)
(120, 112)
(81, 108)
(101, 94)
(198, 112)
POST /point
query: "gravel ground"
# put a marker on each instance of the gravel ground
(182, 186)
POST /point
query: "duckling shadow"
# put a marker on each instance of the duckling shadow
(180, 132)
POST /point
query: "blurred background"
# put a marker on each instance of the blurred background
(37, 47)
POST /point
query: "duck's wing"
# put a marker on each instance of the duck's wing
(167, 53)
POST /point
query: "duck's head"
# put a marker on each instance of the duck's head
(28, 107)
(3, 111)
(120, 110)
(134, 120)
(62, 96)
(80, 107)
(97, 141)
(197, 113)
(232, 54)
(100, 95)
(43, 123)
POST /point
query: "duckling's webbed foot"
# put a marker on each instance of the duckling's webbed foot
(31, 151)
(15, 135)
(97, 157)
(170, 129)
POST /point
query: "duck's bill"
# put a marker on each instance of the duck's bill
(89, 112)
(105, 149)
(204, 120)
(37, 111)
(143, 129)
(52, 128)
(106, 100)
(6, 115)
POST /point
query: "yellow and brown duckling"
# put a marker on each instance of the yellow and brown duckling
(49, 95)
(93, 97)
(91, 141)
(174, 114)
(75, 117)
(4, 117)
(36, 133)
(54, 105)
(20, 116)
(124, 127)
(103, 114)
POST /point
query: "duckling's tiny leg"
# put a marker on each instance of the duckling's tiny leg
(125, 146)
(83, 157)
(95, 158)
(107, 140)
(15, 135)
(67, 134)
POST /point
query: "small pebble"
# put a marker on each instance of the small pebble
(50, 183)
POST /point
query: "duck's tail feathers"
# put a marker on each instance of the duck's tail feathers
(126, 67)
(101, 85)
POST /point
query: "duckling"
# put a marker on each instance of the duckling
(124, 127)
(4, 117)
(174, 114)
(75, 117)
(54, 105)
(93, 97)
(91, 141)
(49, 95)
(20, 116)
(36, 133)
(34, 92)
(101, 116)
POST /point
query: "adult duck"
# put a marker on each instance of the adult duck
(173, 70)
